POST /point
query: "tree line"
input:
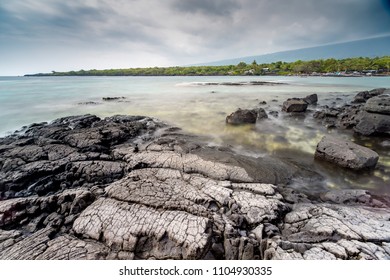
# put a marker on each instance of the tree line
(357, 65)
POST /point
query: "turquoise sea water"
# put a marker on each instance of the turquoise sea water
(198, 108)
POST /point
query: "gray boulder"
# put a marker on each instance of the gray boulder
(363, 96)
(373, 124)
(379, 104)
(311, 99)
(261, 114)
(242, 116)
(294, 105)
(345, 153)
(246, 116)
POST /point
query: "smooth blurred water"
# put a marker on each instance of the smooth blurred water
(202, 109)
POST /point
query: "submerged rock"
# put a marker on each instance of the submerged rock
(345, 153)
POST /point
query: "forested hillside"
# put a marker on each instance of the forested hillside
(352, 66)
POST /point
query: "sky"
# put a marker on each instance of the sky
(57, 35)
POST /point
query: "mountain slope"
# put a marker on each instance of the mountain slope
(366, 48)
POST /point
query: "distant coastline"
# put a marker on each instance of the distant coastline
(349, 67)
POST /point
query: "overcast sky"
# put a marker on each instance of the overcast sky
(45, 35)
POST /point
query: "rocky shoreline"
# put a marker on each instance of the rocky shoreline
(368, 114)
(133, 187)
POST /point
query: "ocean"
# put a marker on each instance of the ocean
(198, 107)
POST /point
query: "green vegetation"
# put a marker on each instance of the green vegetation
(348, 66)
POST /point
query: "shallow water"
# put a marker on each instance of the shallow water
(195, 106)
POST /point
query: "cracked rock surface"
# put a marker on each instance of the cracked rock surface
(129, 187)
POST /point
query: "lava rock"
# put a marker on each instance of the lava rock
(311, 99)
(345, 153)
(363, 96)
(294, 105)
(245, 116)
(379, 105)
(373, 124)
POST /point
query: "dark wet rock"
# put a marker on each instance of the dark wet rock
(378, 105)
(116, 98)
(349, 117)
(261, 114)
(332, 112)
(294, 105)
(88, 103)
(69, 151)
(250, 83)
(319, 115)
(243, 116)
(373, 124)
(148, 191)
(363, 96)
(345, 153)
(262, 103)
(311, 99)
(370, 119)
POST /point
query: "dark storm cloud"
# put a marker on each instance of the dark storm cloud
(73, 17)
(215, 7)
(212, 23)
(59, 19)
(180, 31)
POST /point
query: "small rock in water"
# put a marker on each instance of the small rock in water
(242, 116)
(88, 103)
(246, 116)
(261, 114)
(294, 105)
(113, 98)
(311, 99)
